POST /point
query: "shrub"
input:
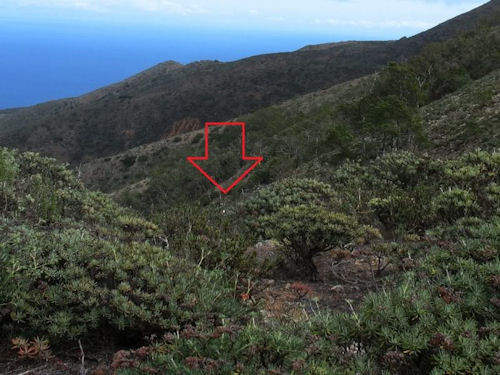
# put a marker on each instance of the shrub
(305, 215)
(289, 348)
(493, 196)
(307, 230)
(454, 203)
(412, 193)
(137, 228)
(8, 167)
(442, 317)
(8, 171)
(474, 169)
(75, 264)
(209, 236)
(393, 209)
(128, 160)
(288, 192)
(72, 285)
(292, 192)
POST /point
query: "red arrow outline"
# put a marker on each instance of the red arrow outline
(257, 159)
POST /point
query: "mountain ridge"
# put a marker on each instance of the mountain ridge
(448, 117)
(146, 106)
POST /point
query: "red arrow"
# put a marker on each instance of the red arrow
(257, 159)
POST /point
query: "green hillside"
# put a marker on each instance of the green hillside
(75, 264)
(79, 267)
(454, 110)
(162, 100)
(367, 242)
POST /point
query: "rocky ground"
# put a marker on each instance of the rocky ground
(344, 278)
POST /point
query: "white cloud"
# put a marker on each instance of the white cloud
(116, 6)
(175, 7)
(89, 5)
(276, 19)
(380, 24)
(320, 15)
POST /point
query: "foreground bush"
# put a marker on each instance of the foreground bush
(441, 318)
(307, 230)
(305, 215)
(211, 236)
(405, 192)
(74, 264)
(67, 284)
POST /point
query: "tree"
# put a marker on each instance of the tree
(306, 230)
(388, 116)
(289, 192)
(389, 121)
(305, 215)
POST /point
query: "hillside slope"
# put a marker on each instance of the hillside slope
(266, 129)
(292, 134)
(170, 98)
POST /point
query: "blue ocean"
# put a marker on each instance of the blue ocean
(45, 62)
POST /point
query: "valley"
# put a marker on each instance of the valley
(367, 241)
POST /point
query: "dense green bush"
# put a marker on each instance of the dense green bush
(406, 192)
(305, 215)
(66, 284)
(441, 318)
(288, 192)
(211, 236)
(7, 166)
(290, 348)
(444, 315)
(75, 264)
(306, 230)
(454, 203)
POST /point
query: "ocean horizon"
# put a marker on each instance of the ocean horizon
(43, 63)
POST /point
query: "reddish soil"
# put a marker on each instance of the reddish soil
(344, 278)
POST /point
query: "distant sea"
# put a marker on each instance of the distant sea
(45, 62)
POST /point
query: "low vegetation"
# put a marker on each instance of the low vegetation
(80, 267)
(76, 265)
(405, 106)
(399, 170)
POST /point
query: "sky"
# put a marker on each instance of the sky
(366, 17)
(51, 49)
